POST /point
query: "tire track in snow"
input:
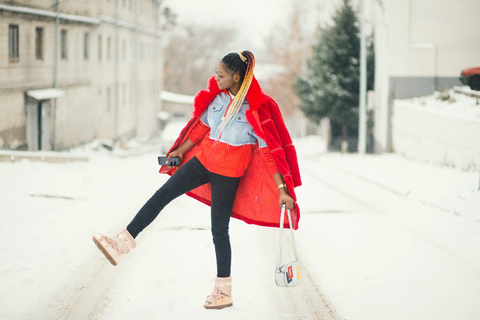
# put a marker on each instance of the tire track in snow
(92, 299)
(356, 201)
(307, 298)
(404, 195)
(86, 296)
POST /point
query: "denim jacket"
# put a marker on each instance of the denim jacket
(239, 132)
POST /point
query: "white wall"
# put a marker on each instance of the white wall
(420, 46)
(435, 137)
(430, 37)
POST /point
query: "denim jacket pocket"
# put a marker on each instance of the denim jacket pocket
(241, 118)
(240, 122)
(214, 112)
(239, 131)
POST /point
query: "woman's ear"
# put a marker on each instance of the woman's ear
(236, 77)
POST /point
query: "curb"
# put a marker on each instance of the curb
(40, 156)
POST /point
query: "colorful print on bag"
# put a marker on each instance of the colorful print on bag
(293, 276)
(290, 274)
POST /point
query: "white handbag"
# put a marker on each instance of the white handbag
(288, 274)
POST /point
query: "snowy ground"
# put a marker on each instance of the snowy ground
(380, 237)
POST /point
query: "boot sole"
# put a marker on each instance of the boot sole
(105, 253)
(219, 306)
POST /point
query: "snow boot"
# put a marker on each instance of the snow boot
(115, 247)
(221, 295)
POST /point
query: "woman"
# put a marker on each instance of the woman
(236, 156)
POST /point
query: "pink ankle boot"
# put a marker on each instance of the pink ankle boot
(115, 247)
(221, 295)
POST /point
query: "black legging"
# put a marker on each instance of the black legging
(188, 177)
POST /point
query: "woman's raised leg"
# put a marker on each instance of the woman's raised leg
(188, 177)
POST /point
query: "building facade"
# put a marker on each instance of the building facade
(89, 69)
(421, 46)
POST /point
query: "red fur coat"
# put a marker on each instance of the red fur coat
(257, 196)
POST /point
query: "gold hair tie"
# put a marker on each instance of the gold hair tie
(242, 57)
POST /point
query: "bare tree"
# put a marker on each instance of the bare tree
(288, 49)
(192, 55)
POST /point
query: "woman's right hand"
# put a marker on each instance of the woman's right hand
(174, 153)
(187, 145)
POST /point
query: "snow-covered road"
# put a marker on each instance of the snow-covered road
(382, 255)
(380, 237)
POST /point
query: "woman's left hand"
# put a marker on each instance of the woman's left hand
(285, 199)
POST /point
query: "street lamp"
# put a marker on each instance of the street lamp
(362, 114)
(362, 125)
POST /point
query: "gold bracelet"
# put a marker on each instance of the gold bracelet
(282, 185)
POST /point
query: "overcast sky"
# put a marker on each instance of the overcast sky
(254, 18)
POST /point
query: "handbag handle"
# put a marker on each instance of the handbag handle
(282, 218)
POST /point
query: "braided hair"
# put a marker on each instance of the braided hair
(242, 62)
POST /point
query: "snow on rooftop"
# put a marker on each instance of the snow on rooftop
(45, 13)
(175, 97)
(264, 71)
(44, 94)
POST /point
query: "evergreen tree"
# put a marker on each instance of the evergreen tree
(331, 87)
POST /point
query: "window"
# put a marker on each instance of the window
(132, 50)
(109, 44)
(85, 45)
(13, 52)
(132, 92)
(99, 48)
(124, 100)
(124, 49)
(63, 45)
(108, 99)
(39, 43)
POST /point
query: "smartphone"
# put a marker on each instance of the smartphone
(175, 161)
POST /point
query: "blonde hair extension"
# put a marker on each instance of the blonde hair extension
(240, 97)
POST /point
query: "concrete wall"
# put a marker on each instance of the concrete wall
(111, 94)
(436, 137)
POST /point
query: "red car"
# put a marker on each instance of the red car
(471, 77)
